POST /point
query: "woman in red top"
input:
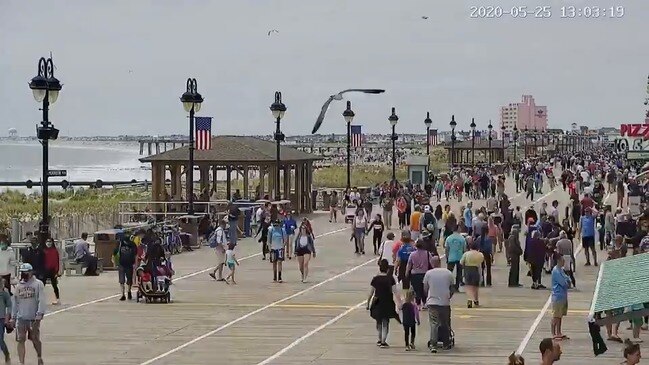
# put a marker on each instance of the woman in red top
(51, 265)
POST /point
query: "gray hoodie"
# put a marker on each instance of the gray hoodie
(29, 300)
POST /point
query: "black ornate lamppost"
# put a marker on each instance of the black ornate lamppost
(490, 128)
(515, 141)
(453, 124)
(45, 88)
(393, 119)
(428, 122)
(472, 125)
(192, 101)
(348, 114)
(526, 133)
(278, 109)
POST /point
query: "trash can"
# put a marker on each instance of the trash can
(105, 244)
(189, 224)
(247, 221)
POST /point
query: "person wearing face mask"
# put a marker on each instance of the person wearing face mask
(28, 311)
(7, 262)
(51, 268)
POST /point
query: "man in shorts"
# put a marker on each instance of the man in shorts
(277, 236)
(218, 242)
(587, 229)
(124, 257)
(28, 311)
(560, 285)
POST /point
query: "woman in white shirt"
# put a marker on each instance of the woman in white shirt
(360, 228)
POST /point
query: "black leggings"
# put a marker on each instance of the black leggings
(376, 240)
(571, 274)
(409, 334)
(53, 276)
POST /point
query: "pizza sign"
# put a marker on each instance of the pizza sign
(635, 130)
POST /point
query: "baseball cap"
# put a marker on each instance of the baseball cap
(25, 267)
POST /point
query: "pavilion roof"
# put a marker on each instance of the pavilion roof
(235, 149)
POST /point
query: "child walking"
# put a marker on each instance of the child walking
(231, 260)
(410, 315)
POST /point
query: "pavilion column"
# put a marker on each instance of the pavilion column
(287, 181)
(262, 180)
(228, 182)
(214, 178)
(246, 182)
(299, 184)
(176, 183)
(308, 186)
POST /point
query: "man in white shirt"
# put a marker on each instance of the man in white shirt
(385, 252)
(439, 286)
(219, 243)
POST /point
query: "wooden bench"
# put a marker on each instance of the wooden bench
(70, 265)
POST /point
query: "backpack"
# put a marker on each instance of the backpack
(429, 218)
(212, 239)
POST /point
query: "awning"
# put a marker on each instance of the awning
(621, 283)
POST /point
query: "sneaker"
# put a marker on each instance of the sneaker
(384, 345)
(433, 350)
(412, 346)
(469, 304)
(408, 348)
(56, 302)
(40, 361)
(378, 343)
(123, 298)
(129, 295)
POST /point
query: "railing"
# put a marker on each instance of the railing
(139, 211)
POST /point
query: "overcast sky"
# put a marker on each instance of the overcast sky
(124, 63)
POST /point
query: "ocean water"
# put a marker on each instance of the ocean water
(84, 161)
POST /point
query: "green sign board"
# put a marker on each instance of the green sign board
(637, 155)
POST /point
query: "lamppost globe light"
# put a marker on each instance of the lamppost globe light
(428, 122)
(393, 118)
(490, 127)
(348, 114)
(453, 123)
(472, 125)
(278, 108)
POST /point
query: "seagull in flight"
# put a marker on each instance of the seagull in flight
(273, 31)
(424, 17)
(339, 96)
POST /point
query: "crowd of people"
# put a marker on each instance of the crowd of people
(544, 237)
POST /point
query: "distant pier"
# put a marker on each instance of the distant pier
(155, 144)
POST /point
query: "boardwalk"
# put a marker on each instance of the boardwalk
(321, 322)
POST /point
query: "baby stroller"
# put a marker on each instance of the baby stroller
(442, 332)
(156, 288)
(350, 213)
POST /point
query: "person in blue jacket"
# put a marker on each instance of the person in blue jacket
(290, 225)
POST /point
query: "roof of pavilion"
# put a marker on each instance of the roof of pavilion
(235, 149)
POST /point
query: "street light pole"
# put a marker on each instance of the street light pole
(515, 142)
(278, 109)
(473, 141)
(428, 122)
(393, 119)
(45, 88)
(192, 101)
(348, 114)
(525, 135)
(453, 124)
(490, 127)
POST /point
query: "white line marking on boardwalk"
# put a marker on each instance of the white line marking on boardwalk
(250, 314)
(313, 332)
(80, 305)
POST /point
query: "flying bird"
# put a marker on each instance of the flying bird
(339, 96)
(272, 31)
(424, 17)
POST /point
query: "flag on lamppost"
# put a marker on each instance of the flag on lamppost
(432, 137)
(203, 135)
(357, 136)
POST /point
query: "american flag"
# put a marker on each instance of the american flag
(432, 137)
(357, 136)
(203, 133)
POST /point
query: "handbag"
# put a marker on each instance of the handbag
(9, 327)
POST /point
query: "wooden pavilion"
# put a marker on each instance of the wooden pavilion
(241, 155)
(463, 149)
